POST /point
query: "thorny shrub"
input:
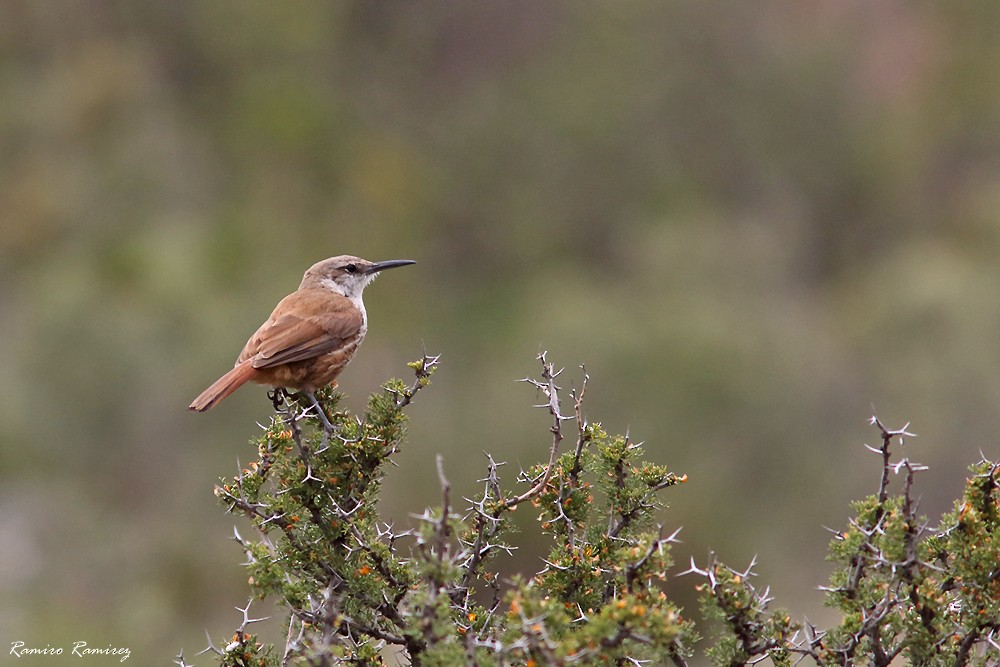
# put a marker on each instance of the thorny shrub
(360, 591)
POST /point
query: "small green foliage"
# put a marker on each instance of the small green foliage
(246, 651)
(906, 594)
(748, 631)
(360, 592)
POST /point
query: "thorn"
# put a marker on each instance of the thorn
(246, 616)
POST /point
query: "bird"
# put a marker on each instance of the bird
(310, 336)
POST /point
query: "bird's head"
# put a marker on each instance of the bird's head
(347, 275)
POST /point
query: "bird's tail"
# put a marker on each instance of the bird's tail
(224, 386)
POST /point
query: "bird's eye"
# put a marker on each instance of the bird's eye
(351, 268)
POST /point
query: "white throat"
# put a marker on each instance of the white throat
(353, 294)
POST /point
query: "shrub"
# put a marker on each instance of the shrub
(360, 591)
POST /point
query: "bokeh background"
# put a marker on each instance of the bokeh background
(752, 222)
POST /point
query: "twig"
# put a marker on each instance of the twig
(551, 391)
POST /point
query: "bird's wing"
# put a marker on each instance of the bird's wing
(303, 326)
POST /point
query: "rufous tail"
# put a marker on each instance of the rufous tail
(224, 386)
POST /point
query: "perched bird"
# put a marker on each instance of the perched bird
(311, 335)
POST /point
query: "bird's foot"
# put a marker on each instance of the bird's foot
(277, 397)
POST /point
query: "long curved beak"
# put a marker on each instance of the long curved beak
(388, 264)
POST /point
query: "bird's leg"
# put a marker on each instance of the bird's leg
(320, 412)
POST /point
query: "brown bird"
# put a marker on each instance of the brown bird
(311, 335)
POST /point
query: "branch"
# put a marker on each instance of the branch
(548, 387)
(423, 369)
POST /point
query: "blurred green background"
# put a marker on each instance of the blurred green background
(751, 221)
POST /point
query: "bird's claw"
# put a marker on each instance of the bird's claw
(277, 397)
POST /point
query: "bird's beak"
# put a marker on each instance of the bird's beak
(388, 264)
